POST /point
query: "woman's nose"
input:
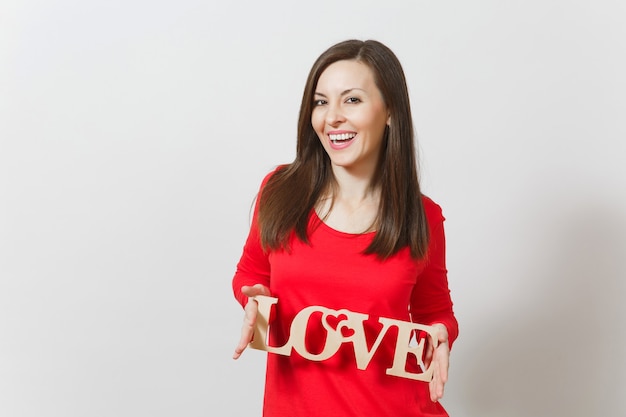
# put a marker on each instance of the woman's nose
(334, 115)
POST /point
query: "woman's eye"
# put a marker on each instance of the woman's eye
(319, 102)
(353, 100)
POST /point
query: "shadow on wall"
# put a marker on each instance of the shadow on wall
(561, 354)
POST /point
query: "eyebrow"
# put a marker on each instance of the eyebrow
(343, 93)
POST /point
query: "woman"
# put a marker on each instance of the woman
(345, 226)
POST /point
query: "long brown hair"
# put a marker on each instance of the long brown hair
(292, 192)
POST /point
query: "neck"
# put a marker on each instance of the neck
(351, 204)
(355, 187)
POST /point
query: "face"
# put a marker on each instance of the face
(349, 116)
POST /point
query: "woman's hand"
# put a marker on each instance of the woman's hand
(249, 320)
(438, 359)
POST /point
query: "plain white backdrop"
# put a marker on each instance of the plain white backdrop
(133, 138)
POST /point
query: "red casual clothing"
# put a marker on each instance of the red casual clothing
(333, 272)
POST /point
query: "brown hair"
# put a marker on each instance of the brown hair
(292, 192)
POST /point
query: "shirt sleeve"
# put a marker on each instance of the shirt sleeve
(431, 301)
(253, 266)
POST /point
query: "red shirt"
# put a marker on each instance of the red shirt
(333, 272)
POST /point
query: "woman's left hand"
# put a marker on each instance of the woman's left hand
(439, 360)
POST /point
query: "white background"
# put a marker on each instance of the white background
(134, 135)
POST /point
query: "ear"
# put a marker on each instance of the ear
(388, 120)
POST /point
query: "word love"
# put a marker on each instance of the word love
(354, 323)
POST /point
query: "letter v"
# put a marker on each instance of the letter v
(362, 354)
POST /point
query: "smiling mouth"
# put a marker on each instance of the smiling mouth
(341, 138)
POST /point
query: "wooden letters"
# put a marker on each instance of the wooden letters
(335, 338)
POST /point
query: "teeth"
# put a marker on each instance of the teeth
(342, 136)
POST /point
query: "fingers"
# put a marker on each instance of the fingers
(440, 362)
(435, 387)
(250, 313)
(247, 328)
(440, 366)
(444, 363)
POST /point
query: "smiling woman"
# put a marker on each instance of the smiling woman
(350, 118)
(346, 226)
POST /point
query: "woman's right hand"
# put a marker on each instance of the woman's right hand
(249, 320)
